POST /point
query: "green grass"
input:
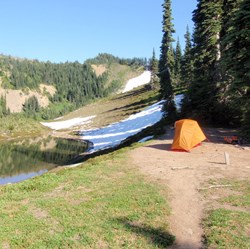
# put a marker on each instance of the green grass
(242, 198)
(17, 125)
(229, 227)
(105, 203)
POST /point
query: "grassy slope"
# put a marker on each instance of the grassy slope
(121, 73)
(17, 125)
(116, 108)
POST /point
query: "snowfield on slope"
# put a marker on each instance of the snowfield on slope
(113, 134)
(60, 125)
(140, 80)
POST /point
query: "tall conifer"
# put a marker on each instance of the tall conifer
(236, 58)
(207, 53)
(177, 63)
(166, 62)
(187, 61)
(154, 71)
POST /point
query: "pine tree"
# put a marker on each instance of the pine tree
(166, 62)
(31, 106)
(177, 61)
(3, 109)
(236, 59)
(154, 71)
(224, 80)
(206, 53)
(187, 61)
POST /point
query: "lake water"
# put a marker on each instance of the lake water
(23, 159)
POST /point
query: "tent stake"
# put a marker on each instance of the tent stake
(227, 160)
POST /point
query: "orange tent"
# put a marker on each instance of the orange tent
(188, 135)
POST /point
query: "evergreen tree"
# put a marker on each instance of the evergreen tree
(187, 61)
(4, 111)
(202, 93)
(154, 71)
(31, 106)
(177, 61)
(166, 62)
(226, 113)
(236, 59)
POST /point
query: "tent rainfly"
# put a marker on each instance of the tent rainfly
(188, 135)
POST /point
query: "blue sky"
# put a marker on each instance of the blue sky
(76, 30)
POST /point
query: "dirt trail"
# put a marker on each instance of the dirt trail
(181, 175)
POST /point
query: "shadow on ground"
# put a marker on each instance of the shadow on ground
(134, 106)
(132, 93)
(160, 146)
(156, 236)
(216, 135)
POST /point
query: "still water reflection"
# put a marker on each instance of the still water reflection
(23, 159)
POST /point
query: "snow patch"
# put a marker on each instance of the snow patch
(142, 79)
(178, 101)
(114, 134)
(67, 123)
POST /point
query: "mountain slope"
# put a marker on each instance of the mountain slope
(63, 87)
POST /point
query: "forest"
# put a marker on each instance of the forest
(215, 66)
(76, 83)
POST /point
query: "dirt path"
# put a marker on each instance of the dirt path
(181, 175)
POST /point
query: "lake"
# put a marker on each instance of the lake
(26, 158)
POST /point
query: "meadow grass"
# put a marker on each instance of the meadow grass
(16, 125)
(228, 227)
(104, 203)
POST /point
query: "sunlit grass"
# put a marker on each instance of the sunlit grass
(116, 108)
(18, 125)
(228, 227)
(103, 203)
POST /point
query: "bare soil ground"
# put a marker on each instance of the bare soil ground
(98, 69)
(16, 98)
(184, 174)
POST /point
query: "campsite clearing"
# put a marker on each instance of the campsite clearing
(184, 178)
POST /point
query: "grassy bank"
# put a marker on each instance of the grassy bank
(228, 226)
(105, 203)
(17, 125)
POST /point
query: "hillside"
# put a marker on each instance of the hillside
(15, 99)
(106, 111)
(60, 88)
